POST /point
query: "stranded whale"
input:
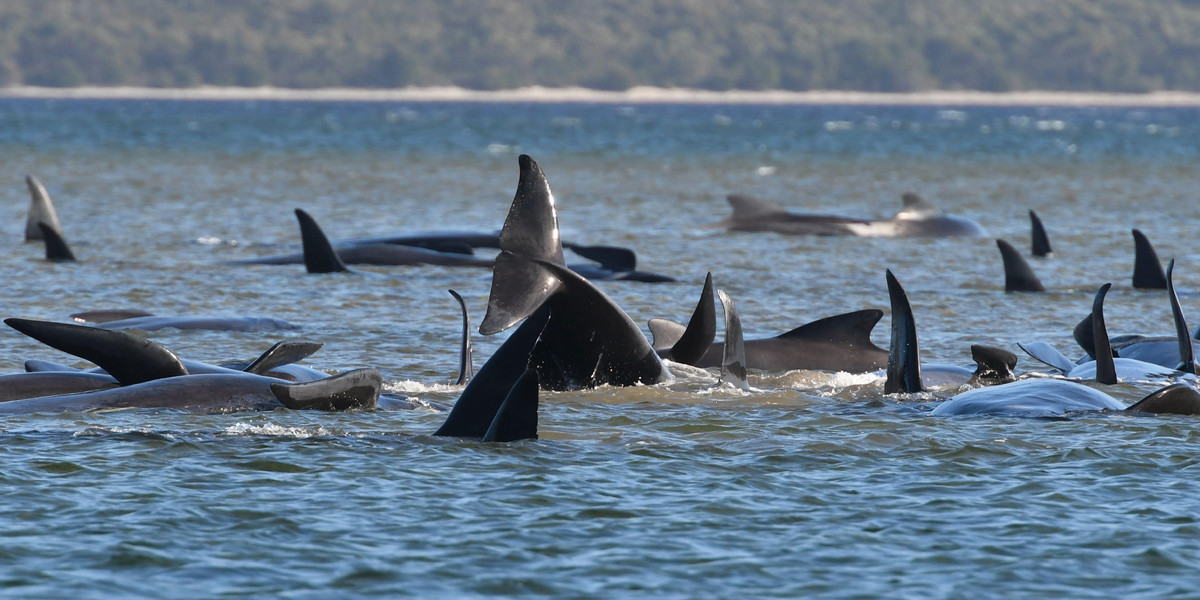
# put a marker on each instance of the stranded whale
(918, 218)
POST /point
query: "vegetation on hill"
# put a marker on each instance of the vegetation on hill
(871, 45)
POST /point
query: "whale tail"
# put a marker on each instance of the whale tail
(1018, 276)
(904, 359)
(1147, 269)
(280, 354)
(733, 359)
(1041, 241)
(466, 366)
(352, 390)
(517, 417)
(57, 249)
(478, 405)
(319, 255)
(127, 358)
(41, 210)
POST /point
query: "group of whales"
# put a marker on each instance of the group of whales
(569, 335)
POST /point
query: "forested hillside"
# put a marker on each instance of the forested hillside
(871, 45)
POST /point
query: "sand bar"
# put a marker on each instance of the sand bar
(637, 95)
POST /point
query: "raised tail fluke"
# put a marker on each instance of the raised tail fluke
(319, 255)
(1018, 276)
(466, 365)
(41, 210)
(904, 357)
(1147, 269)
(57, 249)
(352, 390)
(733, 359)
(127, 358)
(1187, 356)
(1041, 241)
(517, 417)
(1106, 369)
(701, 329)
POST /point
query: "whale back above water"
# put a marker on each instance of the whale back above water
(917, 218)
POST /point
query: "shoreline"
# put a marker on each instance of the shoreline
(637, 95)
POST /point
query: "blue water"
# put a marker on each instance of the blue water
(811, 485)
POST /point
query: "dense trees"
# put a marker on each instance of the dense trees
(875, 45)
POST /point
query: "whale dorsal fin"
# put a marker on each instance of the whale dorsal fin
(1106, 369)
(319, 255)
(357, 389)
(41, 210)
(849, 329)
(466, 366)
(733, 358)
(665, 333)
(127, 358)
(1187, 356)
(993, 365)
(748, 207)
(1040, 241)
(1147, 269)
(701, 329)
(1175, 399)
(916, 204)
(1018, 276)
(904, 356)
(517, 417)
(282, 353)
(57, 249)
(479, 403)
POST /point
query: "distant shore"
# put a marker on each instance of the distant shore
(637, 95)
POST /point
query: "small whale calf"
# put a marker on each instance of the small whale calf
(917, 218)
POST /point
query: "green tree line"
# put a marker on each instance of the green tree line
(869, 45)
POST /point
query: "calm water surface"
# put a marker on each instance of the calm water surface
(811, 485)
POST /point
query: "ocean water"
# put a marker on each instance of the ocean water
(811, 485)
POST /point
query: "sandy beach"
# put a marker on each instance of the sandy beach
(637, 95)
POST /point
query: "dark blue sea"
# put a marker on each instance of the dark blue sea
(811, 485)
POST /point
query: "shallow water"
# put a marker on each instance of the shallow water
(811, 485)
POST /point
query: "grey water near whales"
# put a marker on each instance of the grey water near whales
(229, 504)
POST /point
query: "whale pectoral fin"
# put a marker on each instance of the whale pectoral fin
(993, 365)
(612, 258)
(665, 333)
(319, 255)
(1187, 356)
(733, 358)
(1047, 355)
(357, 389)
(1018, 275)
(519, 287)
(466, 365)
(127, 358)
(748, 207)
(1175, 399)
(1040, 245)
(904, 356)
(41, 210)
(478, 404)
(282, 353)
(57, 249)
(1147, 269)
(1106, 369)
(517, 417)
(701, 329)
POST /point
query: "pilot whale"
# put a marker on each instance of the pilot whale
(917, 218)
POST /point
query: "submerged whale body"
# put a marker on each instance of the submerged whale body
(918, 218)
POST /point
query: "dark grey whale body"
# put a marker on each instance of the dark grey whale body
(918, 218)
